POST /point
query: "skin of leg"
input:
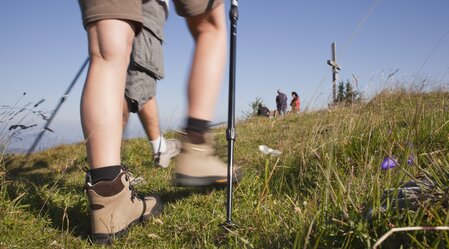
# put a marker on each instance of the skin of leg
(206, 75)
(125, 114)
(149, 117)
(110, 43)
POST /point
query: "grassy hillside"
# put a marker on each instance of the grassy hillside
(326, 189)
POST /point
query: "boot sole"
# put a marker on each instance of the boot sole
(108, 238)
(182, 180)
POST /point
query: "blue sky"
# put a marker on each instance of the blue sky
(280, 44)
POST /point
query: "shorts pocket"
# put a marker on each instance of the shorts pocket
(148, 53)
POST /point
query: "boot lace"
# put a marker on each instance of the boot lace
(128, 177)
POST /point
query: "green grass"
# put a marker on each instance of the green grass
(315, 195)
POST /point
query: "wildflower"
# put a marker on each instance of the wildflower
(411, 160)
(267, 150)
(389, 162)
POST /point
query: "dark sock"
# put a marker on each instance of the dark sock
(105, 173)
(197, 125)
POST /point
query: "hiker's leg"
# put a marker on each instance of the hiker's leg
(197, 165)
(163, 149)
(206, 75)
(149, 117)
(114, 205)
(102, 99)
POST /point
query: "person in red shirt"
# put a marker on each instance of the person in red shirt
(295, 103)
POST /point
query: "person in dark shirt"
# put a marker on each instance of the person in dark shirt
(263, 111)
(281, 103)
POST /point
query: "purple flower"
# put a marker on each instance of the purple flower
(411, 160)
(389, 162)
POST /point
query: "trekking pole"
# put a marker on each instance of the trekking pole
(231, 134)
(66, 94)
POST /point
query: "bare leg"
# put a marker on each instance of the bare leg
(101, 102)
(197, 165)
(163, 150)
(149, 117)
(209, 33)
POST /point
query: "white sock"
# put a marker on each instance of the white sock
(159, 145)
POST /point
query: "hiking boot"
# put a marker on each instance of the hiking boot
(115, 207)
(197, 164)
(162, 159)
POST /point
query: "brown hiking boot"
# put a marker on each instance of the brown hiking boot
(197, 164)
(115, 207)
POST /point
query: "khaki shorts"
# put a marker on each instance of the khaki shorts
(95, 10)
(195, 7)
(147, 61)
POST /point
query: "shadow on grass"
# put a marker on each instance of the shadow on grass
(176, 194)
(56, 194)
(50, 196)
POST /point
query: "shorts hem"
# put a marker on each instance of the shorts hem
(95, 18)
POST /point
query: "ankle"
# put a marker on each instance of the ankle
(195, 137)
(159, 144)
(197, 125)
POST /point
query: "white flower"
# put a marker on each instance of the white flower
(267, 150)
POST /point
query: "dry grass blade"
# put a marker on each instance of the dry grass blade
(407, 229)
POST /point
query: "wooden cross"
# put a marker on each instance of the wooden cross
(335, 68)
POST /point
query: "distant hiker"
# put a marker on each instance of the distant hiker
(263, 111)
(295, 103)
(281, 103)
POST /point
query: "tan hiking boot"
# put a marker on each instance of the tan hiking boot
(115, 207)
(197, 164)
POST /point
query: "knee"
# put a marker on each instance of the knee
(114, 53)
(110, 43)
